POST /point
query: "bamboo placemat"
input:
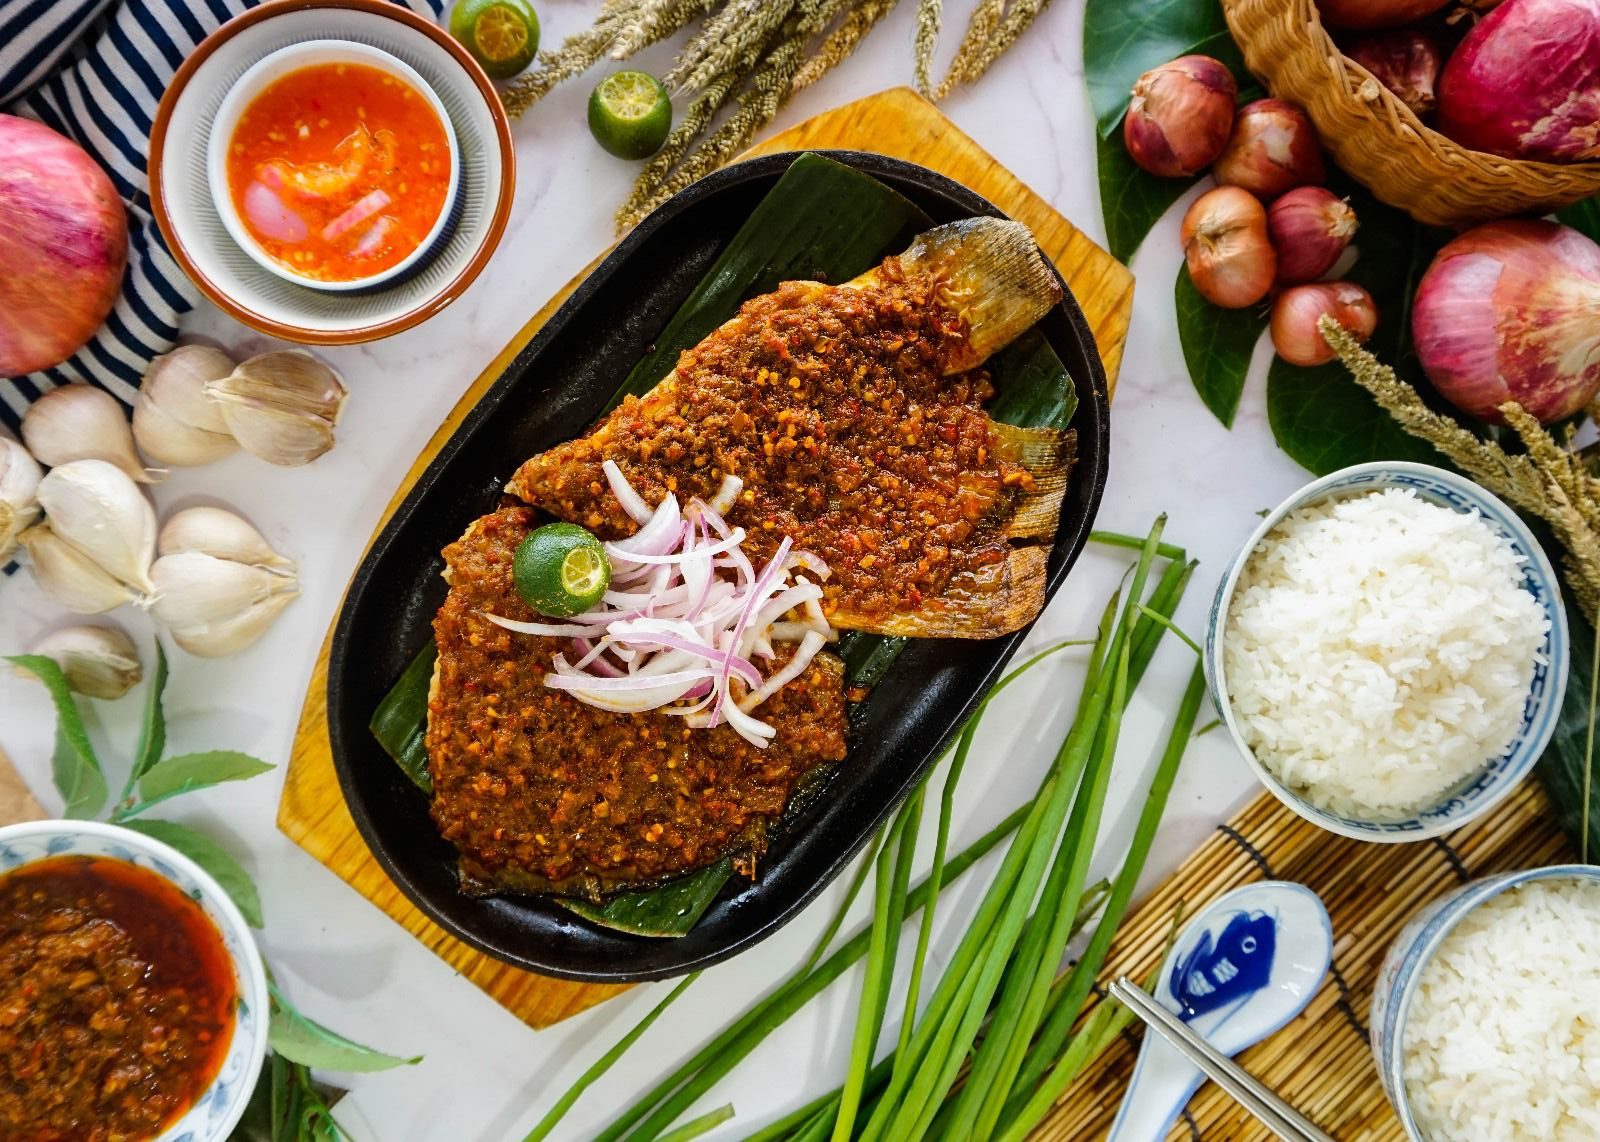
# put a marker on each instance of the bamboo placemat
(1321, 1062)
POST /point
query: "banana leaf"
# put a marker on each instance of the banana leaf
(826, 222)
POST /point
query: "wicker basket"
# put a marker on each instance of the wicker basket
(1379, 140)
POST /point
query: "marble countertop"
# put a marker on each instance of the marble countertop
(486, 1076)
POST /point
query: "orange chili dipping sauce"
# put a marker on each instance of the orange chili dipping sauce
(339, 171)
(117, 1001)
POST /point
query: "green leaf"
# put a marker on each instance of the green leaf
(212, 857)
(304, 1041)
(400, 722)
(1123, 39)
(1583, 216)
(1567, 766)
(1320, 416)
(671, 909)
(190, 771)
(153, 731)
(1217, 344)
(1032, 386)
(1131, 198)
(74, 767)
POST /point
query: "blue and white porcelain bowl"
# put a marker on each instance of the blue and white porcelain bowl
(1481, 792)
(1410, 952)
(218, 1109)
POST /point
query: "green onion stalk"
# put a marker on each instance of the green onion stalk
(997, 1016)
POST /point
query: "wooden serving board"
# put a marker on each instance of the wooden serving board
(898, 123)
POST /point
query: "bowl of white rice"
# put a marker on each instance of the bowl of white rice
(1389, 651)
(1486, 1013)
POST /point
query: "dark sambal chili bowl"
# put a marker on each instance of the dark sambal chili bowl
(551, 392)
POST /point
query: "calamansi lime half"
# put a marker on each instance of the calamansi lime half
(502, 35)
(630, 114)
(561, 570)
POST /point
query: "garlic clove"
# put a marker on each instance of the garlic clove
(215, 606)
(101, 662)
(219, 533)
(81, 422)
(281, 406)
(283, 437)
(19, 500)
(173, 419)
(217, 640)
(96, 508)
(69, 576)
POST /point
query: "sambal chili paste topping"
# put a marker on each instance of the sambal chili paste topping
(116, 1002)
(540, 792)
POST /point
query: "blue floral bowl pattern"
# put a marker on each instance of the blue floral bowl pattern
(1478, 794)
(218, 1109)
(1402, 970)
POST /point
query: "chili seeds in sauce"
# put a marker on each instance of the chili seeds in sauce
(117, 1002)
(339, 171)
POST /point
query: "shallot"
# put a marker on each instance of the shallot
(1309, 227)
(1525, 82)
(687, 617)
(1406, 61)
(1180, 116)
(1296, 311)
(1273, 148)
(1361, 15)
(1510, 311)
(1225, 244)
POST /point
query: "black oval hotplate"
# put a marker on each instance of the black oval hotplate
(551, 392)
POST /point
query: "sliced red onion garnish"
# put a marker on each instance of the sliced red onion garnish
(271, 216)
(683, 615)
(365, 207)
(373, 238)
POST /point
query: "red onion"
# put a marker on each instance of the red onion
(1309, 227)
(271, 216)
(1362, 15)
(1296, 312)
(1225, 244)
(364, 207)
(1180, 116)
(1525, 82)
(1273, 148)
(1406, 61)
(63, 246)
(1511, 311)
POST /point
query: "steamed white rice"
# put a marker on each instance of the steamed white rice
(1502, 1042)
(1379, 651)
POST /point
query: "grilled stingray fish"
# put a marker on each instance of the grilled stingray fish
(853, 416)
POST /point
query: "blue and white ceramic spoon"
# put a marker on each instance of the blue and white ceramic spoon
(1239, 971)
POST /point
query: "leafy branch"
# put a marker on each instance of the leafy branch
(287, 1105)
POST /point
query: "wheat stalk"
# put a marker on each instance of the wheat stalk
(981, 25)
(733, 38)
(1019, 17)
(841, 42)
(929, 16)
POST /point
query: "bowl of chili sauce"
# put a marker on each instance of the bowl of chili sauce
(333, 164)
(133, 1001)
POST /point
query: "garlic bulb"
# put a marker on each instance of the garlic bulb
(101, 662)
(69, 576)
(281, 406)
(81, 422)
(214, 607)
(97, 509)
(173, 419)
(220, 533)
(19, 501)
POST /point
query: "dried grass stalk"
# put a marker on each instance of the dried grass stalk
(1549, 481)
(981, 25)
(841, 42)
(733, 38)
(647, 188)
(930, 14)
(652, 20)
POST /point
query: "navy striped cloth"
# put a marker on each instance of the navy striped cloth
(95, 70)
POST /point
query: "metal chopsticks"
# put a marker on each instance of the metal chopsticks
(1278, 1116)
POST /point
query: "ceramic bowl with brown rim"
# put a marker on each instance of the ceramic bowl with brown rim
(186, 210)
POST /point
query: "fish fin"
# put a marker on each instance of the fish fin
(987, 603)
(1046, 454)
(991, 273)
